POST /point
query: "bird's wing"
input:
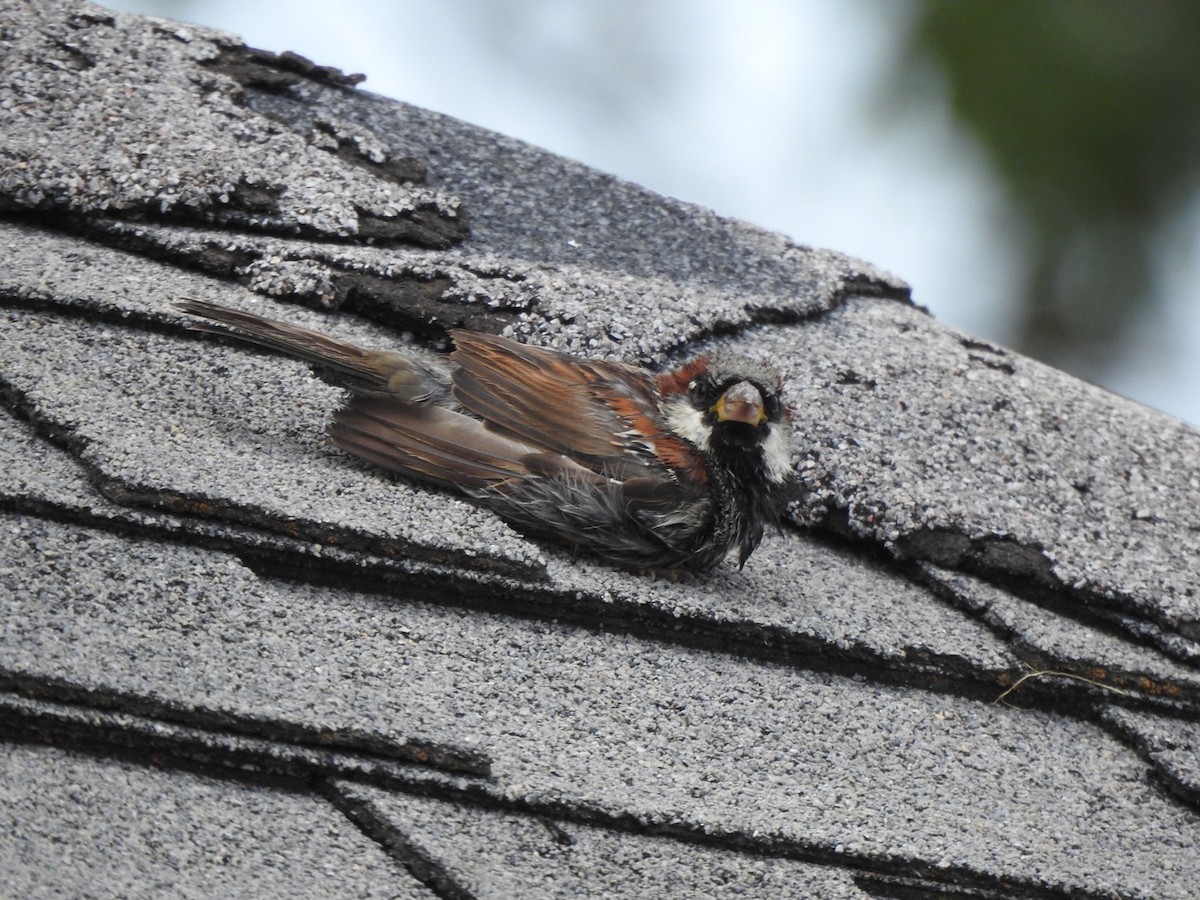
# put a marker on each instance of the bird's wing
(603, 415)
(431, 443)
(458, 451)
(647, 520)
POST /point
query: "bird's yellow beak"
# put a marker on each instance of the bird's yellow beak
(741, 403)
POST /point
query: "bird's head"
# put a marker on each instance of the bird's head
(732, 409)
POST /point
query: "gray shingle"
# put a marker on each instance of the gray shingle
(487, 853)
(207, 609)
(75, 825)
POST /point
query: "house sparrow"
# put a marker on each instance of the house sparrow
(649, 472)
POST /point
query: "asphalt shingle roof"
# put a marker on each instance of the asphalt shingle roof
(235, 661)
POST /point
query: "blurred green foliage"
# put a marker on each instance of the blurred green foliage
(1090, 110)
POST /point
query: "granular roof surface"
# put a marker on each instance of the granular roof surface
(236, 661)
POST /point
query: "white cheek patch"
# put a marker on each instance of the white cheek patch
(687, 422)
(777, 452)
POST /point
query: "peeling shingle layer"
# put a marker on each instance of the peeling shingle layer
(109, 90)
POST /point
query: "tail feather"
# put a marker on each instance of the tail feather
(371, 371)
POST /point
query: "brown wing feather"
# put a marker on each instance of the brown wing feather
(603, 414)
(677, 454)
(437, 444)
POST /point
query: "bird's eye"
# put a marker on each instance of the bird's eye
(772, 406)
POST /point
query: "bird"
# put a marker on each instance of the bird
(667, 472)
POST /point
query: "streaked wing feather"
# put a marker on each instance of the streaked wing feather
(650, 519)
(549, 399)
(429, 442)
